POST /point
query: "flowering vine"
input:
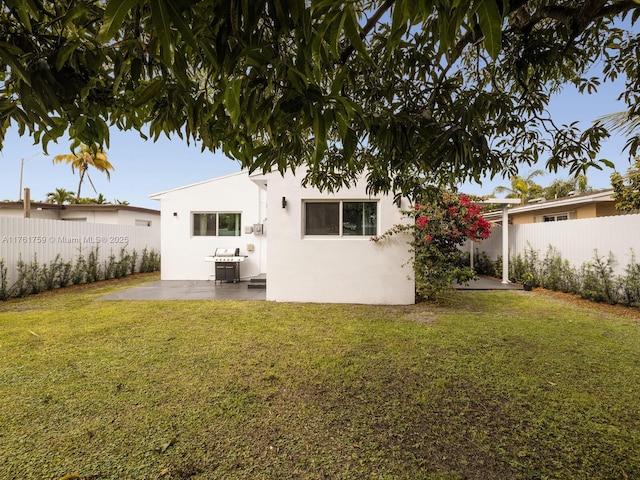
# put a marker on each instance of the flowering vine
(438, 229)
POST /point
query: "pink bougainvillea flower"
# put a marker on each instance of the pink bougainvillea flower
(422, 222)
(465, 201)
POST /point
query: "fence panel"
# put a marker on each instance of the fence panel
(575, 240)
(42, 239)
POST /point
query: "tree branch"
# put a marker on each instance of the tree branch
(577, 18)
(375, 18)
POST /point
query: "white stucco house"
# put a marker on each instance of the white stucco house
(312, 246)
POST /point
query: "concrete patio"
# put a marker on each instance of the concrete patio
(189, 290)
(210, 290)
(488, 283)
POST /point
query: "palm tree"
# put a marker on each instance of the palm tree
(82, 160)
(523, 188)
(60, 196)
(563, 188)
(101, 200)
(624, 122)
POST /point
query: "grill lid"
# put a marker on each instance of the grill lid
(227, 252)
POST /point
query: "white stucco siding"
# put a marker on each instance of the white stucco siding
(90, 216)
(182, 253)
(333, 269)
(128, 217)
(35, 213)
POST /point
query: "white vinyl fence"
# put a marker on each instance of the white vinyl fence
(575, 240)
(41, 239)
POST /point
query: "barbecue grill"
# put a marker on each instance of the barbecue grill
(227, 262)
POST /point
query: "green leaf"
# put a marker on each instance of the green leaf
(177, 18)
(320, 132)
(64, 53)
(24, 18)
(9, 53)
(113, 18)
(490, 20)
(148, 92)
(162, 24)
(232, 99)
(73, 13)
(608, 163)
(352, 30)
(350, 143)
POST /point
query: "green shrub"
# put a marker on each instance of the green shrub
(598, 282)
(629, 284)
(78, 272)
(64, 274)
(483, 265)
(93, 267)
(594, 280)
(21, 287)
(50, 274)
(525, 266)
(4, 289)
(34, 278)
(109, 267)
(122, 265)
(150, 261)
(132, 261)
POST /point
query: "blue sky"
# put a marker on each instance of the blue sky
(143, 168)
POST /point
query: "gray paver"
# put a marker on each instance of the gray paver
(188, 290)
(210, 290)
(488, 283)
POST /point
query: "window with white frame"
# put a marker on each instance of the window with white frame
(216, 224)
(558, 217)
(341, 218)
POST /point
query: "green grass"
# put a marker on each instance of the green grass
(482, 385)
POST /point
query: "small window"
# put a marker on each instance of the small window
(555, 218)
(322, 218)
(143, 223)
(341, 218)
(216, 224)
(359, 218)
(228, 224)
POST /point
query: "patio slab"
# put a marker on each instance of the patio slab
(210, 290)
(487, 283)
(188, 290)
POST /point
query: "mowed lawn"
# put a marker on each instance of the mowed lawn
(482, 385)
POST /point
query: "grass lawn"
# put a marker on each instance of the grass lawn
(482, 385)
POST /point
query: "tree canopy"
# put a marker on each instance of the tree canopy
(626, 188)
(411, 92)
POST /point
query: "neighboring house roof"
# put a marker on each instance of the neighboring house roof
(78, 207)
(543, 205)
(158, 195)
